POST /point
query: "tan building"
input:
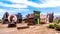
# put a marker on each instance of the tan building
(48, 18)
(43, 18)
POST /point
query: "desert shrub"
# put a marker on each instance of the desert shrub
(52, 25)
(55, 21)
(58, 21)
(58, 27)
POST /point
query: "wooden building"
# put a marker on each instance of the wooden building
(5, 18)
(43, 18)
(30, 19)
(19, 18)
(50, 17)
(33, 18)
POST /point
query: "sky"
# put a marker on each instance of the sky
(27, 6)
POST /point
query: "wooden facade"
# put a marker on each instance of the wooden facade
(19, 18)
(43, 18)
(50, 17)
(30, 19)
(5, 18)
(33, 19)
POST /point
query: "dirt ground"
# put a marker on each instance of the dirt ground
(36, 29)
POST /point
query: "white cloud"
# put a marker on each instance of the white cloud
(13, 5)
(26, 3)
(2, 11)
(50, 3)
(18, 1)
(46, 3)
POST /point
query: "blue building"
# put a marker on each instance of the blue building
(19, 18)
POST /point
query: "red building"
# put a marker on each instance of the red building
(30, 19)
